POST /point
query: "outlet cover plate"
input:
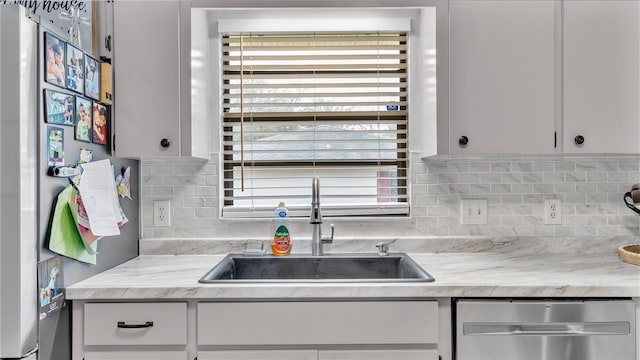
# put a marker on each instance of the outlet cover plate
(553, 212)
(473, 212)
(162, 213)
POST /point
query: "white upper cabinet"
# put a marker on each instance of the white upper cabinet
(151, 82)
(502, 82)
(601, 76)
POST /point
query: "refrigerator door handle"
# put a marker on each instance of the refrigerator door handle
(546, 329)
(123, 325)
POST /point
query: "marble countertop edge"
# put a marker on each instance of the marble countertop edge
(149, 277)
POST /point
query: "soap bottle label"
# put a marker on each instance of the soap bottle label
(282, 239)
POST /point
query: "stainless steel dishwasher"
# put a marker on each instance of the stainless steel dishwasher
(504, 329)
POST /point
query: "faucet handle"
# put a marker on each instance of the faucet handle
(383, 247)
(329, 240)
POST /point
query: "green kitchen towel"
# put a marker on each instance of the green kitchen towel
(65, 238)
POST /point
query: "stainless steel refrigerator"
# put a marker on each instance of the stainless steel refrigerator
(28, 197)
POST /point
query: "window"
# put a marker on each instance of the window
(299, 105)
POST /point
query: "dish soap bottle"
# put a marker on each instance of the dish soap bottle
(281, 237)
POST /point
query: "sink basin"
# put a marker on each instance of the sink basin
(237, 268)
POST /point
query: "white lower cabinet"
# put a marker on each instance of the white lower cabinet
(378, 355)
(137, 355)
(259, 355)
(262, 330)
(319, 355)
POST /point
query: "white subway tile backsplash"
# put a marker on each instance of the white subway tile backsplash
(574, 198)
(607, 166)
(522, 188)
(512, 199)
(500, 189)
(577, 177)
(564, 166)
(617, 177)
(629, 165)
(476, 167)
(543, 166)
(461, 189)
(501, 167)
(515, 188)
(522, 167)
(448, 178)
(490, 178)
(479, 188)
(553, 177)
(438, 189)
(512, 178)
(150, 180)
(586, 166)
(196, 202)
(458, 167)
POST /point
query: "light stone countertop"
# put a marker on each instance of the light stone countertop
(150, 277)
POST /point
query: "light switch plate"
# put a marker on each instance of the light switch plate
(473, 212)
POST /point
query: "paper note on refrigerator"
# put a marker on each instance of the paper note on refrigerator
(65, 238)
(99, 196)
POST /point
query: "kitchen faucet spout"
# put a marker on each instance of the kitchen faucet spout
(315, 219)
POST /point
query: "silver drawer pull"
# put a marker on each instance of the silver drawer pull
(547, 329)
(122, 325)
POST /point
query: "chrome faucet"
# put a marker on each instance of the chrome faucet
(316, 221)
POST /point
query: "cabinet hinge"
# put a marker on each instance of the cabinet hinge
(107, 43)
(555, 139)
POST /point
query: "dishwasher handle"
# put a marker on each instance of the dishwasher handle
(546, 329)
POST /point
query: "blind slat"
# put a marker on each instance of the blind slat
(316, 58)
(248, 95)
(302, 48)
(290, 85)
(325, 115)
(315, 67)
(317, 38)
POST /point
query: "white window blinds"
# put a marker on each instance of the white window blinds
(331, 105)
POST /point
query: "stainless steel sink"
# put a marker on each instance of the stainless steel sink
(237, 268)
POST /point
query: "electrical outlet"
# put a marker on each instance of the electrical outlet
(162, 213)
(552, 212)
(473, 211)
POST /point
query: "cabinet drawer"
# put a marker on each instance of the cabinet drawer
(137, 355)
(115, 324)
(309, 323)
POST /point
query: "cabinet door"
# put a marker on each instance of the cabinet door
(136, 355)
(502, 63)
(146, 78)
(378, 355)
(601, 76)
(259, 355)
(336, 322)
